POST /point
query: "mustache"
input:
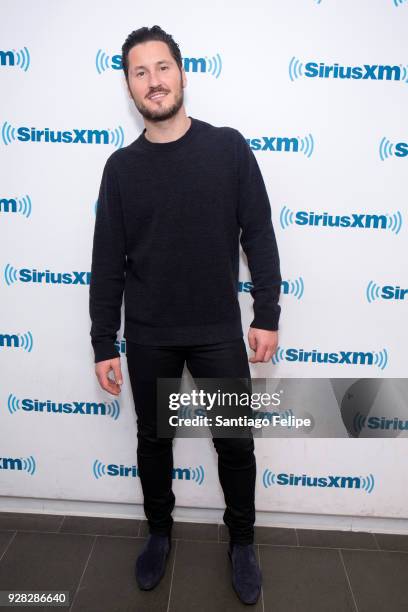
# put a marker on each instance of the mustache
(155, 91)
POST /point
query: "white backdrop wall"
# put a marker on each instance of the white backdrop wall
(324, 144)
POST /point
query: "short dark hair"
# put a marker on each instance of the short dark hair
(144, 35)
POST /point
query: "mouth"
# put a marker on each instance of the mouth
(157, 96)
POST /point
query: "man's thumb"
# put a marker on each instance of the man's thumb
(117, 372)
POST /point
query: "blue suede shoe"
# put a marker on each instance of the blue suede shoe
(151, 563)
(246, 573)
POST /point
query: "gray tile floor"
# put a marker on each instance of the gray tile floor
(303, 570)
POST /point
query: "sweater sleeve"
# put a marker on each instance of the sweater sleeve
(258, 239)
(108, 268)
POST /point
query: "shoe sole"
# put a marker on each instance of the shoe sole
(149, 588)
(248, 603)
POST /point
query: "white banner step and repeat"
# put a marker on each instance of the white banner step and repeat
(319, 89)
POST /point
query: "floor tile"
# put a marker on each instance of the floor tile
(304, 580)
(202, 580)
(38, 561)
(109, 583)
(379, 579)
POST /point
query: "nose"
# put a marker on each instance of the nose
(154, 80)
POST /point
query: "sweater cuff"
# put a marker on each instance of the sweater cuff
(270, 323)
(105, 350)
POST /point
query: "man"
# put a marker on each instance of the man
(170, 209)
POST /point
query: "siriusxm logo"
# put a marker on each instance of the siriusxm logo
(19, 463)
(23, 341)
(367, 358)
(111, 409)
(20, 58)
(295, 287)
(386, 292)
(113, 136)
(286, 144)
(383, 221)
(27, 275)
(388, 149)
(384, 423)
(16, 205)
(366, 483)
(208, 65)
(373, 72)
(100, 469)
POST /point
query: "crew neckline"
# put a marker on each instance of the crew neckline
(168, 146)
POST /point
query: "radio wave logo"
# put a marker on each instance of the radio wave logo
(117, 137)
(13, 404)
(295, 69)
(307, 145)
(10, 274)
(359, 422)
(368, 483)
(113, 136)
(102, 61)
(16, 205)
(28, 464)
(113, 410)
(214, 65)
(8, 133)
(386, 149)
(365, 483)
(295, 287)
(197, 474)
(286, 217)
(381, 359)
(398, 2)
(368, 358)
(99, 469)
(23, 341)
(20, 58)
(373, 292)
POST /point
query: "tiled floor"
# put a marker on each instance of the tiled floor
(303, 570)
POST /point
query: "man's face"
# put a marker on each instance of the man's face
(154, 81)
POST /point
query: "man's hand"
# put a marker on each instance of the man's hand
(102, 369)
(263, 342)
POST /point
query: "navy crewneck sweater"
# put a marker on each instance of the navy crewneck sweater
(167, 234)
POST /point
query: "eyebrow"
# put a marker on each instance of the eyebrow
(159, 62)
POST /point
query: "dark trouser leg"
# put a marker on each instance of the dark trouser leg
(154, 455)
(236, 458)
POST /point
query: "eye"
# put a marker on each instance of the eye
(164, 67)
(138, 74)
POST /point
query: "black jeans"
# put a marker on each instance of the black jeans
(236, 458)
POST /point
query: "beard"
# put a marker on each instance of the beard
(162, 113)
